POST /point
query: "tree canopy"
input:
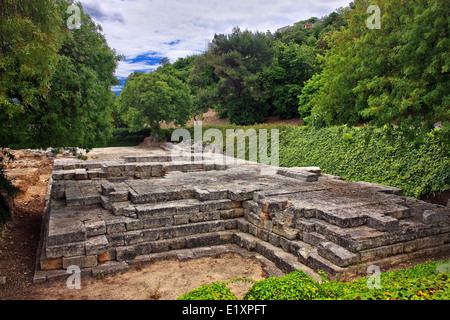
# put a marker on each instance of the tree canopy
(152, 98)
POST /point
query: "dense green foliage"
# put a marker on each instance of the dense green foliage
(429, 281)
(293, 286)
(418, 163)
(59, 94)
(398, 73)
(214, 291)
(29, 42)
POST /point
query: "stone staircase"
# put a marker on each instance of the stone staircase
(107, 214)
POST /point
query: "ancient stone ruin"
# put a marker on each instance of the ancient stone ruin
(107, 215)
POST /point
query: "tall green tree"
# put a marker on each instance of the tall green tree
(152, 98)
(238, 60)
(396, 74)
(283, 80)
(30, 34)
(77, 110)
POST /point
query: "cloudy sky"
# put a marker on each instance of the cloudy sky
(147, 30)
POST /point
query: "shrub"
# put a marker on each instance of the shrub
(215, 291)
(421, 282)
(293, 286)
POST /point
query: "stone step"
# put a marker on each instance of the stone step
(285, 261)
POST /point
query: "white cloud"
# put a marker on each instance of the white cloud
(139, 27)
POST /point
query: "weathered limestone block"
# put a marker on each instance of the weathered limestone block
(74, 197)
(125, 253)
(215, 205)
(382, 223)
(431, 217)
(97, 245)
(319, 263)
(336, 254)
(299, 174)
(209, 239)
(81, 174)
(156, 210)
(51, 264)
(181, 219)
(81, 261)
(313, 238)
(115, 225)
(65, 250)
(62, 231)
(132, 224)
(381, 252)
(159, 222)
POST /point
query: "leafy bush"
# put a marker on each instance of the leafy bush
(215, 291)
(428, 281)
(293, 286)
(421, 282)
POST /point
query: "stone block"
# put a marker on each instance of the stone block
(187, 207)
(160, 222)
(431, 217)
(125, 253)
(181, 219)
(116, 240)
(62, 231)
(115, 225)
(95, 227)
(381, 252)
(242, 225)
(81, 174)
(51, 264)
(144, 248)
(133, 224)
(65, 250)
(74, 197)
(81, 261)
(337, 255)
(382, 223)
(97, 245)
(185, 255)
(313, 238)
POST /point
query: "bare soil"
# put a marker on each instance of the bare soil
(162, 280)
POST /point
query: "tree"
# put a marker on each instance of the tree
(153, 98)
(29, 41)
(238, 59)
(77, 110)
(396, 74)
(283, 80)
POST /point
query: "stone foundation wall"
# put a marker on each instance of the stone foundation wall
(110, 214)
